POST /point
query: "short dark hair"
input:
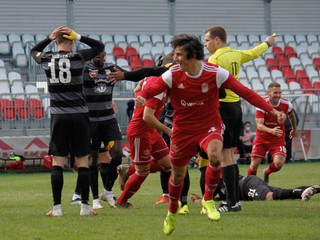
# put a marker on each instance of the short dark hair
(217, 31)
(190, 43)
(274, 84)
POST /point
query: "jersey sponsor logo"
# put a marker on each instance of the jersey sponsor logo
(187, 104)
(93, 73)
(204, 87)
(181, 86)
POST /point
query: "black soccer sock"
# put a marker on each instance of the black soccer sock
(236, 169)
(77, 190)
(185, 190)
(281, 194)
(202, 179)
(112, 176)
(164, 180)
(104, 172)
(94, 176)
(83, 175)
(56, 183)
(229, 179)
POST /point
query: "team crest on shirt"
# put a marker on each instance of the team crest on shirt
(204, 87)
(107, 71)
(101, 87)
(146, 152)
(93, 73)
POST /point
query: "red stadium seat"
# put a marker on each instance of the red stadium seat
(284, 65)
(135, 64)
(23, 112)
(147, 63)
(4, 102)
(316, 85)
(307, 85)
(277, 52)
(33, 102)
(9, 113)
(289, 76)
(316, 62)
(290, 52)
(38, 113)
(118, 52)
(302, 76)
(272, 64)
(131, 52)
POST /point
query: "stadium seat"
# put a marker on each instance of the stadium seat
(295, 87)
(39, 37)
(301, 40)
(13, 75)
(231, 40)
(123, 63)
(295, 64)
(167, 39)
(272, 64)
(302, 76)
(264, 73)
(145, 40)
(107, 40)
(316, 61)
(4, 45)
(22, 110)
(252, 74)
(147, 63)
(313, 40)
(259, 62)
(95, 36)
(133, 41)
(37, 113)
(145, 53)
(27, 38)
(257, 86)
(253, 39)
(4, 86)
(157, 40)
(32, 91)
(276, 75)
(316, 85)
(278, 52)
(156, 52)
(301, 51)
(135, 64)
(306, 86)
(132, 53)
(14, 38)
(120, 41)
(245, 83)
(266, 83)
(289, 40)
(284, 64)
(290, 52)
(242, 39)
(313, 51)
(289, 76)
(118, 52)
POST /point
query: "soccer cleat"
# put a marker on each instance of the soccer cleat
(56, 211)
(307, 193)
(184, 210)
(86, 210)
(76, 199)
(96, 204)
(163, 199)
(265, 176)
(125, 205)
(203, 211)
(108, 196)
(122, 173)
(212, 212)
(169, 223)
(227, 208)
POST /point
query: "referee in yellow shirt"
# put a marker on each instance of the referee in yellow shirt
(230, 106)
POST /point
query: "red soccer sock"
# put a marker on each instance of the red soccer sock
(132, 186)
(174, 194)
(272, 168)
(251, 172)
(212, 179)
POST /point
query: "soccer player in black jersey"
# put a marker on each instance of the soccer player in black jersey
(253, 188)
(68, 109)
(104, 127)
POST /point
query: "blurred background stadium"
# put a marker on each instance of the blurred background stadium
(136, 32)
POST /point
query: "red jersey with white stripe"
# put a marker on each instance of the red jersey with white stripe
(195, 99)
(270, 121)
(137, 126)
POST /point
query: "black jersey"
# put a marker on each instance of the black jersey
(64, 73)
(98, 91)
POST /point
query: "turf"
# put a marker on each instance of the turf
(25, 198)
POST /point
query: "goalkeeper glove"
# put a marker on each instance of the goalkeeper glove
(72, 36)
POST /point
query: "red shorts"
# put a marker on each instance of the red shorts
(185, 145)
(259, 149)
(142, 149)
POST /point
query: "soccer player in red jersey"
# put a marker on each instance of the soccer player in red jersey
(194, 92)
(148, 149)
(271, 134)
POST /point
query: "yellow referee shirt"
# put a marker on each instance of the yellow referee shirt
(231, 60)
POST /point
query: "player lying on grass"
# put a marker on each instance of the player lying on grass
(254, 188)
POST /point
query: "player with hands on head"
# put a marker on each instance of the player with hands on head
(68, 109)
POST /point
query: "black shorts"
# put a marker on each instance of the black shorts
(69, 135)
(254, 188)
(231, 114)
(105, 132)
